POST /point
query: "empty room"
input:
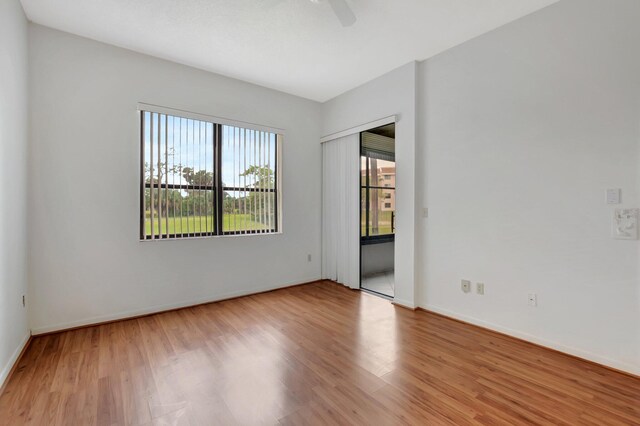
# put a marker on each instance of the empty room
(340, 212)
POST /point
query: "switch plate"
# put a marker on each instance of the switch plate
(480, 288)
(465, 285)
(613, 196)
(533, 299)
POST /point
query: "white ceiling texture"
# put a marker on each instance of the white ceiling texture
(296, 46)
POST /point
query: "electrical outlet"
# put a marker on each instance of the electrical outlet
(480, 288)
(308, 258)
(465, 285)
(533, 299)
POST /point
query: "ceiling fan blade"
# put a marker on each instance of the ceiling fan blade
(343, 12)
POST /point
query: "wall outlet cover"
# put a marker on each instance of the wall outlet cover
(465, 285)
(480, 288)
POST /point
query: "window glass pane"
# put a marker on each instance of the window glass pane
(382, 173)
(249, 180)
(188, 213)
(380, 189)
(178, 175)
(381, 211)
(248, 158)
(248, 211)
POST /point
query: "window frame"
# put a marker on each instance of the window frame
(367, 187)
(217, 187)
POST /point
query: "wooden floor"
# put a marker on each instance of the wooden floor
(313, 354)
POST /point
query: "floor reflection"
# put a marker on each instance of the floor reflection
(382, 282)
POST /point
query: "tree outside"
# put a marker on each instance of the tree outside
(191, 210)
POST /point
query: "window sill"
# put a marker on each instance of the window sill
(204, 237)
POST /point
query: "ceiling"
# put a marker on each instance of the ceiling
(296, 46)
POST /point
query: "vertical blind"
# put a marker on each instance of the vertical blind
(249, 179)
(200, 178)
(340, 211)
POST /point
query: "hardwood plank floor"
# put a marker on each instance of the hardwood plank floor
(313, 354)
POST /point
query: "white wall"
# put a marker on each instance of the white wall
(392, 94)
(14, 330)
(86, 262)
(375, 258)
(521, 131)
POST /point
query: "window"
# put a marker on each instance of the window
(377, 196)
(200, 178)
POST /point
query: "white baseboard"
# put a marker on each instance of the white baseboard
(160, 308)
(618, 365)
(6, 369)
(404, 303)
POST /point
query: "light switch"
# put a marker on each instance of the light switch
(613, 196)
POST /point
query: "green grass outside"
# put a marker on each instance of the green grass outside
(382, 230)
(197, 224)
(384, 224)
